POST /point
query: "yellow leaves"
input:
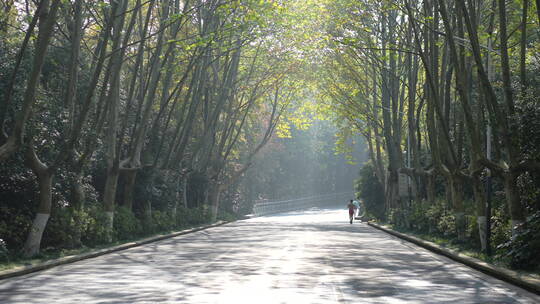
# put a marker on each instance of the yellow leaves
(283, 130)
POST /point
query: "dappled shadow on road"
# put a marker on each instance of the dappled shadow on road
(292, 258)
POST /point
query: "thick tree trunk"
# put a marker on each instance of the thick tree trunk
(456, 188)
(480, 203)
(431, 191)
(392, 190)
(78, 195)
(129, 187)
(213, 197)
(109, 198)
(514, 201)
(78, 198)
(33, 241)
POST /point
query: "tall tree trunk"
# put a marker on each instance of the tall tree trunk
(456, 188)
(480, 203)
(33, 241)
(514, 201)
(130, 176)
(538, 10)
(510, 178)
(113, 100)
(523, 47)
(45, 178)
(431, 189)
(214, 198)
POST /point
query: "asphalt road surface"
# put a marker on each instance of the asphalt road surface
(309, 257)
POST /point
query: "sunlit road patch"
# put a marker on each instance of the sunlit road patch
(314, 256)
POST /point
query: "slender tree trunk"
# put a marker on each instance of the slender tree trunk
(178, 197)
(538, 10)
(47, 21)
(523, 47)
(8, 94)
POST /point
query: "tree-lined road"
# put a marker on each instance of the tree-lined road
(308, 257)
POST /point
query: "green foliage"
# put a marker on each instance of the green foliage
(418, 217)
(95, 233)
(162, 221)
(17, 197)
(371, 192)
(435, 218)
(227, 216)
(64, 228)
(4, 252)
(500, 227)
(447, 223)
(522, 249)
(126, 225)
(186, 217)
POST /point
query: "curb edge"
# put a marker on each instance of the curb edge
(23, 270)
(524, 281)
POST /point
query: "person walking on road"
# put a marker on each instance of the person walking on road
(356, 208)
(351, 210)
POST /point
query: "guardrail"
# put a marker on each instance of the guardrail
(265, 207)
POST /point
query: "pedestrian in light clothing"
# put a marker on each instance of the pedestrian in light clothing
(351, 210)
(357, 208)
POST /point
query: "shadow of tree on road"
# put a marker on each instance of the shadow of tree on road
(284, 259)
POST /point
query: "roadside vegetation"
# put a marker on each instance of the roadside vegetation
(447, 95)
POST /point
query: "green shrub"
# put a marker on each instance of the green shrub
(447, 224)
(95, 233)
(398, 217)
(64, 228)
(191, 216)
(227, 216)
(126, 225)
(4, 252)
(371, 192)
(435, 218)
(500, 227)
(472, 230)
(522, 249)
(162, 221)
(434, 212)
(418, 216)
